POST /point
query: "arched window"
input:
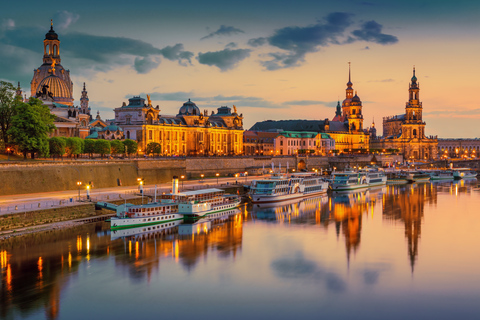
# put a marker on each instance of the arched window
(55, 50)
(414, 133)
(47, 49)
(128, 134)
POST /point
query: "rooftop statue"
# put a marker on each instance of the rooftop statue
(234, 109)
(149, 101)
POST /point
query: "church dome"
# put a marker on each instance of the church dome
(56, 86)
(51, 35)
(356, 98)
(189, 109)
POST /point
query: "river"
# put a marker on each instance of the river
(390, 253)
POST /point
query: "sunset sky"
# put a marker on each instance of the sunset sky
(272, 59)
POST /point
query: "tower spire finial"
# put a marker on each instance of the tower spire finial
(349, 71)
(84, 87)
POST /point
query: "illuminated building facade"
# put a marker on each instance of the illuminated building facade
(190, 132)
(406, 132)
(346, 128)
(458, 148)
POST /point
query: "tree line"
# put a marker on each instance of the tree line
(26, 126)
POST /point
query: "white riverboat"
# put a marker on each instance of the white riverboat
(441, 175)
(417, 176)
(282, 187)
(349, 180)
(174, 206)
(464, 173)
(376, 178)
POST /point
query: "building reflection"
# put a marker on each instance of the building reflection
(36, 268)
(406, 204)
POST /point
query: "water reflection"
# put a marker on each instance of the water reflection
(38, 269)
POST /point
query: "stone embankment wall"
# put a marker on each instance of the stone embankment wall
(34, 218)
(22, 178)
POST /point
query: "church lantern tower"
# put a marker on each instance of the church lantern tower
(84, 108)
(51, 47)
(352, 107)
(413, 112)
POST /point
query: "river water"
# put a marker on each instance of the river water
(396, 252)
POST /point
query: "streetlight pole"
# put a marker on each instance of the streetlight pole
(217, 174)
(79, 183)
(182, 177)
(88, 192)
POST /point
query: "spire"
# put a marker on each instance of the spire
(339, 110)
(84, 87)
(414, 78)
(349, 83)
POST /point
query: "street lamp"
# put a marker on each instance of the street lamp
(217, 174)
(201, 176)
(182, 177)
(246, 174)
(8, 154)
(88, 192)
(236, 176)
(140, 181)
(79, 183)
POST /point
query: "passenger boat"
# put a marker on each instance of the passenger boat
(464, 173)
(174, 206)
(417, 176)
(396, 178)
(349, 180)
(376, 178)
(282, 187)
(441, 175)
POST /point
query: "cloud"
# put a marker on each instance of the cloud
(223, 31)
(372, 31)
(63, 19)
(92, 52)
(177, 53)
(257, 42)
(383, 80)
(231, 45)
(146, 64)
(215, 101)
(225, 59)
(298, 41)
(308, 103)
(7, 24)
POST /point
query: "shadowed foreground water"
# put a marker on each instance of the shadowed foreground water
(392, 253)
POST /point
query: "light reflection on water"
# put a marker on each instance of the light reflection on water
(393, 252)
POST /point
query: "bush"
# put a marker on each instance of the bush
(153, 147)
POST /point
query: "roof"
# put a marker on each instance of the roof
(196, 192)
(93, 135)
(290, 125)
(297, 134)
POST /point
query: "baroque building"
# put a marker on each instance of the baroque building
(190, 132)
(51, 84)
(346, 127)
(406, 132)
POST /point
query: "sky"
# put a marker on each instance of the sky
(271, 59)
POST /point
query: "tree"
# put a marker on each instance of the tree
(74, 146)
(7, 109)
(57, 146)
(131, 145)
(30, 127)
(154, 147)
(102, 147)
(89, 147)
(117, 147)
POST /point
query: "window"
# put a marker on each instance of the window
(150, 134)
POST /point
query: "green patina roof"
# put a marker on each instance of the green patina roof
(297, 134)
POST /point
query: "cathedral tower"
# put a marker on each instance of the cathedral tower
(413, 112)
(352, 107)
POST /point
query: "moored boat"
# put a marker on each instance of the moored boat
(417, 176)
(464, 173)
(349, 180)
(376, 178)
(174, 206)
(441, 175)
(396, 178)
(282, 187)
